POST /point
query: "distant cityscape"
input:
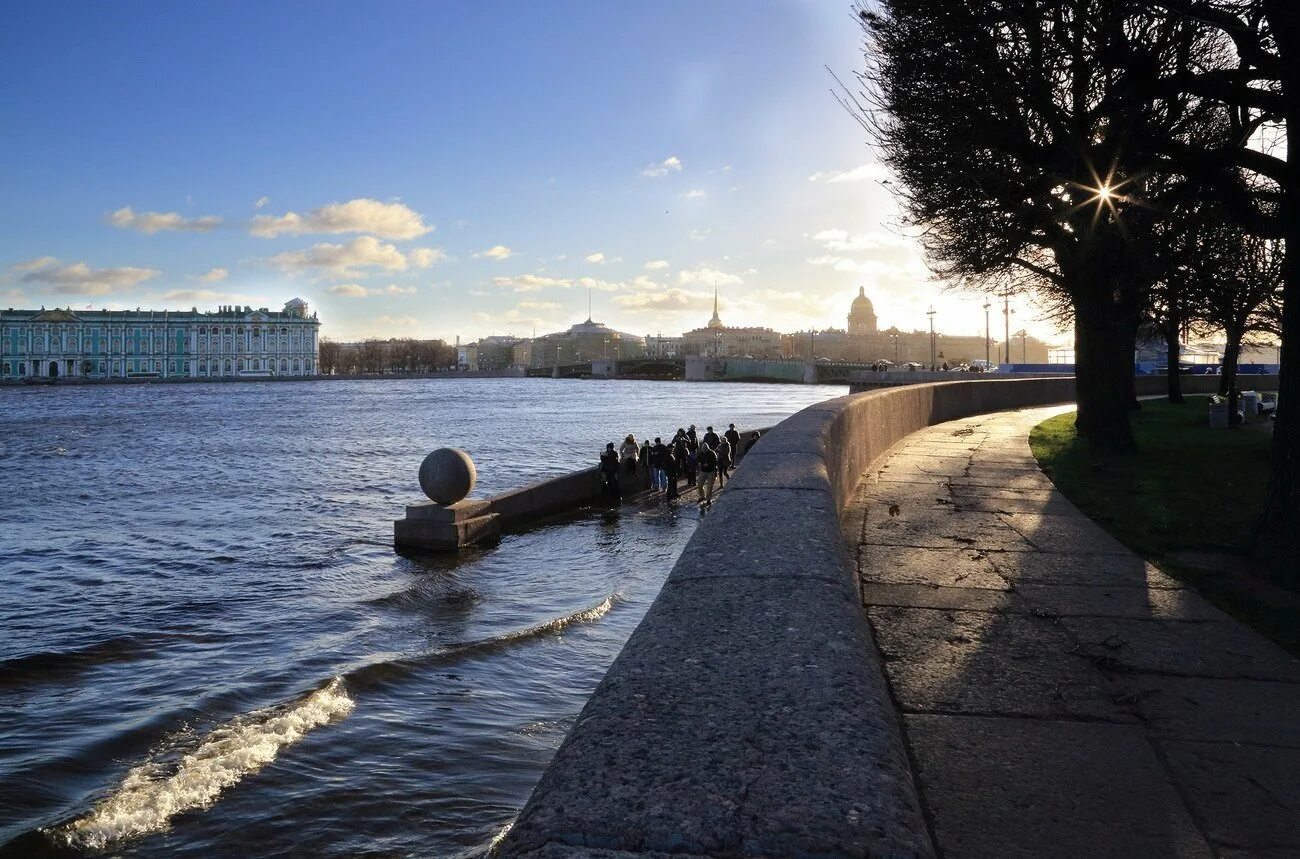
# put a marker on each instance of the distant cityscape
(860, 341)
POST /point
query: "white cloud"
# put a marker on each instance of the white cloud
(81, 279)
(403, 323)
(356, 290)
(699, 235)
(863, 173)
(695, 194)
(539, 306)
(496, 252)
(599, 285)
(33, 264)
(12, 295)
(362, 215)
(656, 264)
(425, 257)
(705, 276)
(595, 258)
(671, 164)
(670, 300)
(261, 202)
(531, 282)
(154, 222)
(215, 275)
(361, 252)
(201, 295)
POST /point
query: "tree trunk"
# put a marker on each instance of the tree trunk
(1228, 378)
(1281, 521)
(1173, 379)
(1104, 381)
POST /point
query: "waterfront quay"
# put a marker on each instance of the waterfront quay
(893, 636)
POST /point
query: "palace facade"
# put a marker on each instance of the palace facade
(231, 342)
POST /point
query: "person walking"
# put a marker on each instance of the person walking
(708, 463)
(671, 470)
(628, 454)
(645, 458)
(711, 438)
(733, 438)
(724, 460)
(658, 476)
(609, 473)
(692, 461)
(681, 457)
(690, 434)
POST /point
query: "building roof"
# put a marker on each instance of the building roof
(861, 305)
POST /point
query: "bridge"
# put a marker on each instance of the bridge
(698, 368)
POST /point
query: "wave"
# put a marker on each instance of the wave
(376, 673)
(154, 792)
(35, 668)
(148, 798)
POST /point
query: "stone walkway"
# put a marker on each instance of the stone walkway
(1060, 696)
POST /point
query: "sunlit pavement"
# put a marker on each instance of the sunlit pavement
(1060, 696)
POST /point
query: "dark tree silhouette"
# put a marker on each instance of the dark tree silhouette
(1258, 180)
(1020, 134)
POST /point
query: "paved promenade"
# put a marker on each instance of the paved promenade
(1060, 696)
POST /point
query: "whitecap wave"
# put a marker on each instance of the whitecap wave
(151, 794)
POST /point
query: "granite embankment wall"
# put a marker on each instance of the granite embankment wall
(748, 713)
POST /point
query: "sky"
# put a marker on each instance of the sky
(454, 169)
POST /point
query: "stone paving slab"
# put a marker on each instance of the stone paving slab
(1061, 696)
(1198, 708)
(1248, 796)
(1011, 787)
(1077, 569)
(962, 567)
(981, 662)
(944, 528)
(1185, 649)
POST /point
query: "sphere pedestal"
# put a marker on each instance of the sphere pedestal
(447, 521)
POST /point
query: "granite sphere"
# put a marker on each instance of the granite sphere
(447, 475)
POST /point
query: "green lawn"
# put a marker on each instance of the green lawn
(1189, 488)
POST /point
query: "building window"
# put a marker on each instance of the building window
(297, 368)
(240, 365)
(103, 367)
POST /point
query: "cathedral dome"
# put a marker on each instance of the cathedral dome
(862, 316)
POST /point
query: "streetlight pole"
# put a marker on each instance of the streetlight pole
(1006, 315)
(930, 313)
(986, 331)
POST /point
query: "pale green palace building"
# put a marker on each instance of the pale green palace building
(231, 342)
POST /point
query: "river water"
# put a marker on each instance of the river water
(208, 646)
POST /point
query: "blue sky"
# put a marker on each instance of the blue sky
(450, 168)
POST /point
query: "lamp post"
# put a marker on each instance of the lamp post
(1006, 315)
(930, 313)
(986, 330)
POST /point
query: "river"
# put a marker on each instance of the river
(208, 646)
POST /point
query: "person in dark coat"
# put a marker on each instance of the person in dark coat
(734, 438)
(692, 461)
(681, 462)
(708, 474)
(609, 473)
(690, 434)
(724, 460)
(671, 470)
(711, 438)
(658, 475)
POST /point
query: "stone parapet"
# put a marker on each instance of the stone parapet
(748, 714)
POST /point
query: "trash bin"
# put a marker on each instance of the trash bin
(1249, 404)
(1218, 413)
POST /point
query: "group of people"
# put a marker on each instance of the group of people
(704, 461)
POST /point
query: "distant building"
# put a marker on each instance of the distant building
(581, 343)
(862, 342)
(489, 353)
(231, 341)
(659, 346)
(721, 340)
